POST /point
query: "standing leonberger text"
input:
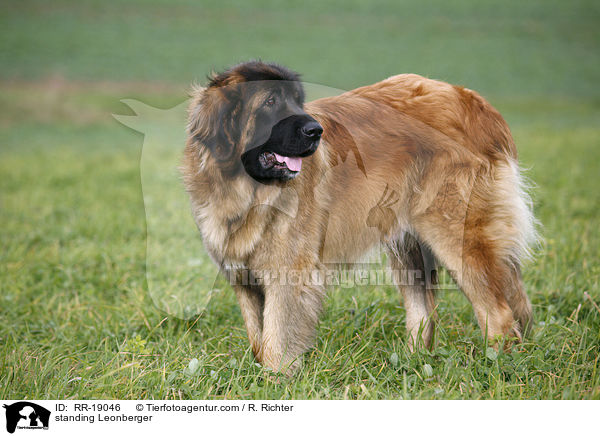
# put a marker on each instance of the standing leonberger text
(425, 168)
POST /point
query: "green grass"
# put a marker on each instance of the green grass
(77, 315)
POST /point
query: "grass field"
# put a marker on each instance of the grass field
(76, 316)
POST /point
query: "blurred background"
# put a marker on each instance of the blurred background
(72, 226)
(536, 49)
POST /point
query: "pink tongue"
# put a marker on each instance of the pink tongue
(293, 163)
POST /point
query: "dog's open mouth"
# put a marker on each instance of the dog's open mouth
(270, 159)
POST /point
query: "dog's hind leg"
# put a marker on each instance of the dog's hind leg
(481, 275)
(518, 299)
(415, 274)
(476, 240)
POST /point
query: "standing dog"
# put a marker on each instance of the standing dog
(425, 168)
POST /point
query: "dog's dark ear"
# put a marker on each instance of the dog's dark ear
(213, 119)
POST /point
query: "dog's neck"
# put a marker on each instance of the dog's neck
(225, 207)
(229, 210)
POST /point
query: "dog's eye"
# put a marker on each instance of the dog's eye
(270, 101)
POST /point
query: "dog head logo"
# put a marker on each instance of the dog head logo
(26, 415)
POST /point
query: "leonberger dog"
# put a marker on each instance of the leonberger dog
(422, 168)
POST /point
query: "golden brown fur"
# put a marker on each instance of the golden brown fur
(426, 168)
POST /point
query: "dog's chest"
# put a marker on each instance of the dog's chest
(232, 235)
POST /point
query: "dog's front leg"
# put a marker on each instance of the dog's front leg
(290, 319)
(252, 304)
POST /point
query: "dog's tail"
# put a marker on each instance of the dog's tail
(514, 232)
(514, 209)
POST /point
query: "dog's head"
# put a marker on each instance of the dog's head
(251, 117)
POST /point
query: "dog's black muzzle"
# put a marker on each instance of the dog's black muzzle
(296, 135)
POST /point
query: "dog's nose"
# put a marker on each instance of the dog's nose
(312, 129)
